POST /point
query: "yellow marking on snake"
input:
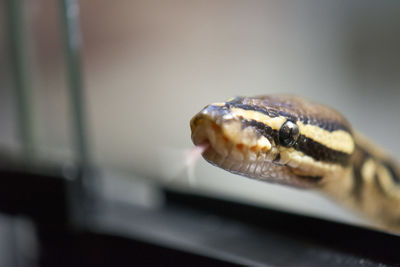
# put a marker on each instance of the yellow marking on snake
(219, 104)
(338, 140)
(234, 132)
(387, 182)
(274, 122)
(306, 164)
(368, 171)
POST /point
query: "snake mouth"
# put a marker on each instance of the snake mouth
(219, 150)
(228, 137)
(207, 134)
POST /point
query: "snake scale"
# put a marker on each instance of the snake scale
(292, 141)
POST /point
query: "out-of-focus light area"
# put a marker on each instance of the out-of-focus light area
(149, 66)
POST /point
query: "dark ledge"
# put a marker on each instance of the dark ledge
(186, 230)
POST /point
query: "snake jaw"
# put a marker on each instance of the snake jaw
(216, 125)
(234, 148)
(216, 122)
(241, 149)
(208, 133)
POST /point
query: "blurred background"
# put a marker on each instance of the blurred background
(149, 66)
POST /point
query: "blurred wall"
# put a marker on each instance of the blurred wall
(151, 65)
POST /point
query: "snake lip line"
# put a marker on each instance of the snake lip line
(205, 142)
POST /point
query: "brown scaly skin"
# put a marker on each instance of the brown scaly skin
(371, 187)
(289, 140)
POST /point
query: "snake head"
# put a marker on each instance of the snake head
(279, 139)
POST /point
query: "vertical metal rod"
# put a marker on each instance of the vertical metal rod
(81, 189)
(20, 75)
(72, 46)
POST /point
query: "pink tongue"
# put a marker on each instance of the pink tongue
(194, 154)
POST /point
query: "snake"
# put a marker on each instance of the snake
(289, 140)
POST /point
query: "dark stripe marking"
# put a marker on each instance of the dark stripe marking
(361, 158)
(277, 158)
(324, 124)
(269, 112)
(304, 144)
(320, 152)
(393, 174)
(378, 184)
(314, 179)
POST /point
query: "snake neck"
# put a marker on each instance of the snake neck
(289, 140)
(370, 185)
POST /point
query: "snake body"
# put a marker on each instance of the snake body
(291, 141)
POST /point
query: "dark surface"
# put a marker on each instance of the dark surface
(41, 197)
(298, 235)
(71, 248)
(186, 230)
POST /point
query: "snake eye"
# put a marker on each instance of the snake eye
(288, 134)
